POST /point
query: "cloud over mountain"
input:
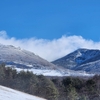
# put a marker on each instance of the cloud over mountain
(50, 49)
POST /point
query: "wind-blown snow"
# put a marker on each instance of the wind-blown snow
(11, 94)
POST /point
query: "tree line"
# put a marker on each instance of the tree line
(53, 88)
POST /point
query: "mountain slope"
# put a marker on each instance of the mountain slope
(11, 94)
(15, 56)
(81, 59)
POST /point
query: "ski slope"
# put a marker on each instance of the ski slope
(10, 94)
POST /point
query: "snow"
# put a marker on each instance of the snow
(86, 54)
(11, 94)
(81, 60)
(91, 67)
(10, 54)
(78, 54)
(47, 72)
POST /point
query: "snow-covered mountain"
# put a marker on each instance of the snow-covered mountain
(25, 60)
(11, 94)
(81, 59)
(22, 58)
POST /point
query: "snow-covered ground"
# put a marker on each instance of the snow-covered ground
(61, 73)
(10, 94)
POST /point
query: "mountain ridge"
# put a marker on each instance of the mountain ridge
(81, 59)
(9, 53)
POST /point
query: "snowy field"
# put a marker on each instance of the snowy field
(47, 72)
(10, 94)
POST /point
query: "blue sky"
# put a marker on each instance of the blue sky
(50, 28)
(50, 19)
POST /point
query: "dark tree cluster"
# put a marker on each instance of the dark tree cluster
(28, 82)
(51, 88)
(78, 88)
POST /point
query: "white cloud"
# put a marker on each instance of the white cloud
(50, 49)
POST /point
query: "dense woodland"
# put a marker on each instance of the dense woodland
(51, 88)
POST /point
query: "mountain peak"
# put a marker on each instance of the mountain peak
(80, 57)
(16, 56)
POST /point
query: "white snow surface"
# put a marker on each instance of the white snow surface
(61, 73)
(11, 94)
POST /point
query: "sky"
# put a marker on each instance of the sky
(50, 27)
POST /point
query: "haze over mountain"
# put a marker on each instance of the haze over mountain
(82, 59)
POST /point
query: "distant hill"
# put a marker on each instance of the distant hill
(81, 60)
(16, 56)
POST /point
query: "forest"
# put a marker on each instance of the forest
(51, 88)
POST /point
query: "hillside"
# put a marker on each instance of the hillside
(81, 60)
(11, 94)
(22, 58)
